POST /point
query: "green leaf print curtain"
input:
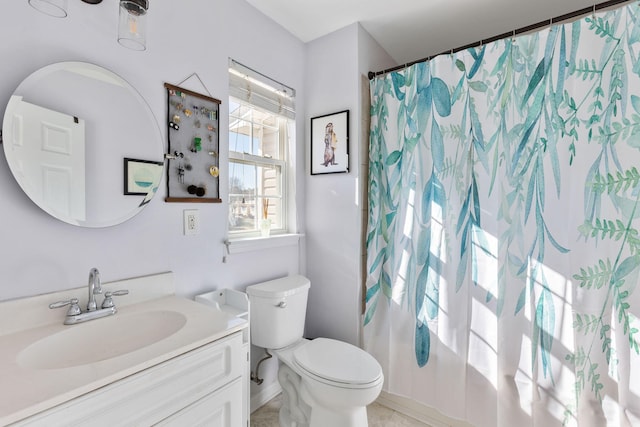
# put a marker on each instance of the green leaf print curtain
(503, 245)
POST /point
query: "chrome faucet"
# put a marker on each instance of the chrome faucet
(108, 308)
(94, 288)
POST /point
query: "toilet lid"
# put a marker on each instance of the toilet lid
(337, 361)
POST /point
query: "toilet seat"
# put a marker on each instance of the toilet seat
(338, 363)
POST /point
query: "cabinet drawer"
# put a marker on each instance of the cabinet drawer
(222, 408)
(152, 395)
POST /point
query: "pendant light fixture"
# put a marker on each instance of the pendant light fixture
(132, 26)
(55, 8)
(132, 23)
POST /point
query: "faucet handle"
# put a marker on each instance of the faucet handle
(74, 308)
(108, 301)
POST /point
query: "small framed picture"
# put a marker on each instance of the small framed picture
(141, 176)
(330, 143)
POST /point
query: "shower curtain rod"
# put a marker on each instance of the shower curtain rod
(513, 33)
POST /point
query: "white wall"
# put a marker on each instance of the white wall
(335, 65)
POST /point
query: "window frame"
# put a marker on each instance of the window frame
(283, 164)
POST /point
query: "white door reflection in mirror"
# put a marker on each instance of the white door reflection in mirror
(50, 145)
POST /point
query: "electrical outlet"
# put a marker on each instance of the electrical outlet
(191, 222)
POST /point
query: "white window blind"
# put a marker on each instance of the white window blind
(261, 91)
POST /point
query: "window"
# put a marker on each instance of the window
(258, 155)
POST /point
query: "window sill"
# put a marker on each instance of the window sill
(248, 244)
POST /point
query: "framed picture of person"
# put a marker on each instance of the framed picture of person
(330, 143)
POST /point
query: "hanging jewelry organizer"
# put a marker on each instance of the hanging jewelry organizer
(193, 162)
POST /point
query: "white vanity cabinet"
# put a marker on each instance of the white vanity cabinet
(236, 304)
(201, 387)
(161, 359)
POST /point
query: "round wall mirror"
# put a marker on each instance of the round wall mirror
(83, 144)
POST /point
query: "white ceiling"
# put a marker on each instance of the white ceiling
(413, 29)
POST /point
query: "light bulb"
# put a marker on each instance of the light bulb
(133, 25)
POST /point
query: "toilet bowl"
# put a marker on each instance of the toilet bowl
(336, 380)
(325, 382)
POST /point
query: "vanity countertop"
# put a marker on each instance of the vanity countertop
(26, 390)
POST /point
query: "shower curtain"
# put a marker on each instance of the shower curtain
(503, 244)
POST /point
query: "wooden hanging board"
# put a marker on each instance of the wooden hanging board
(193, 123)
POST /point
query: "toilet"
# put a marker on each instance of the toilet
(324, 382)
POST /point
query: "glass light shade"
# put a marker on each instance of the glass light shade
(55, 8)
(132, 26)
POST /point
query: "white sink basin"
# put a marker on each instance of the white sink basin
(44, 363)
(101, 339)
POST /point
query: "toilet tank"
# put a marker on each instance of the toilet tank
(277, 311)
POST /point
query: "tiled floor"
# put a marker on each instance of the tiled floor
(379, 416)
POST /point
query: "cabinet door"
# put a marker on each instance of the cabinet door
(150, 396)
(222, 408)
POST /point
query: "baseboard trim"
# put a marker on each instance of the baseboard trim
(418, 411)
(266, 394)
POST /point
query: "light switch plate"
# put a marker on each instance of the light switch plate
(191, 222)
